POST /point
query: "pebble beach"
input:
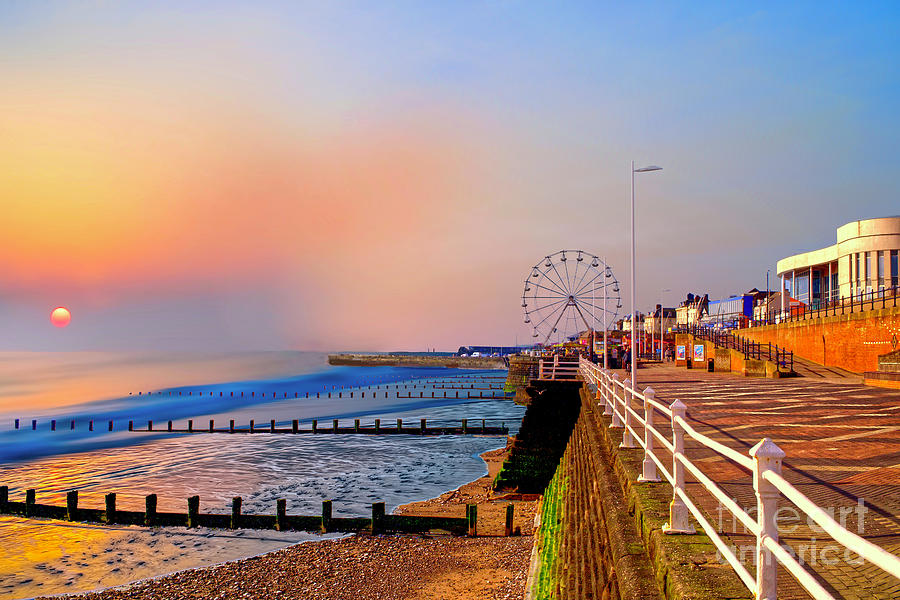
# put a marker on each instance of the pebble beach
(490, 566)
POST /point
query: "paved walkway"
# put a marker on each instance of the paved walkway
(842, 442)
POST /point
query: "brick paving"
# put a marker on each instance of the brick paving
(842, 442)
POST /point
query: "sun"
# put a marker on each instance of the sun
(60, 316)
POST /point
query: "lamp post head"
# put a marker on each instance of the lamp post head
(647, 169)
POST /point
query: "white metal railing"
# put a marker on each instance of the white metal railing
(550, 370)
(764, 463)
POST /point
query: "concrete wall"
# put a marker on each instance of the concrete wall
(852, 342)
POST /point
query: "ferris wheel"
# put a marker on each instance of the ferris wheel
(567, 292)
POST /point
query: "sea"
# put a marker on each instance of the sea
(57, 396)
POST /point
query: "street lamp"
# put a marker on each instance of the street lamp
(633, 319)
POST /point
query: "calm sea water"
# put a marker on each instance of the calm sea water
(352, 471)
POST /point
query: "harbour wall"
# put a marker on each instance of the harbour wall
(412, 360)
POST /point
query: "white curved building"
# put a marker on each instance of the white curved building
(863, 261)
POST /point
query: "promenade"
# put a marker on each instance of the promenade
(842, 445)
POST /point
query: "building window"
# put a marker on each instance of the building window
(856, 270)
(867, 276)
(894, 272)
(880, 269)
(834, 289)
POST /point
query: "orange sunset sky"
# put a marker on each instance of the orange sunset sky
(383, 176)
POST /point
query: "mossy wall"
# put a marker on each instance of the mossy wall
(535, 452)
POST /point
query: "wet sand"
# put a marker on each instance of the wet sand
(386, 567)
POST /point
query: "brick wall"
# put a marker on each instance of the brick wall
(852, 342)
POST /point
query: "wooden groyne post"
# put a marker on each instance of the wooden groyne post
(110, 500)
(236, 512)
(326, 516)
(150, 510)
(193, 517)
(377, 517)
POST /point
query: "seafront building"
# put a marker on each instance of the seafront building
(862, 262)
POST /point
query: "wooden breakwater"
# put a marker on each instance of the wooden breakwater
(379, 522)
(295, 428)
(375, 429)
(412, 360)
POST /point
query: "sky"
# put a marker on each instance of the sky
(383, 176)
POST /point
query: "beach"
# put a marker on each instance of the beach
(489, 566)
(44, 557)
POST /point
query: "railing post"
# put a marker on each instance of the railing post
(678, 511)
(541, 369)
(648, 467)
(767, 457)
(614, 401)
(627, 395)
(607, 405)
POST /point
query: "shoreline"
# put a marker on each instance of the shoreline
(365, 566)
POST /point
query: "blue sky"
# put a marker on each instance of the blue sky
(774, 123)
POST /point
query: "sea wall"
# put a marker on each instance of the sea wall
(852, 342)
(412, 360)
(600, 532)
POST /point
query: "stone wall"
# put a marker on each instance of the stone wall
(600, 532)
(586, 545)
(852, 342)
(413, 360)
